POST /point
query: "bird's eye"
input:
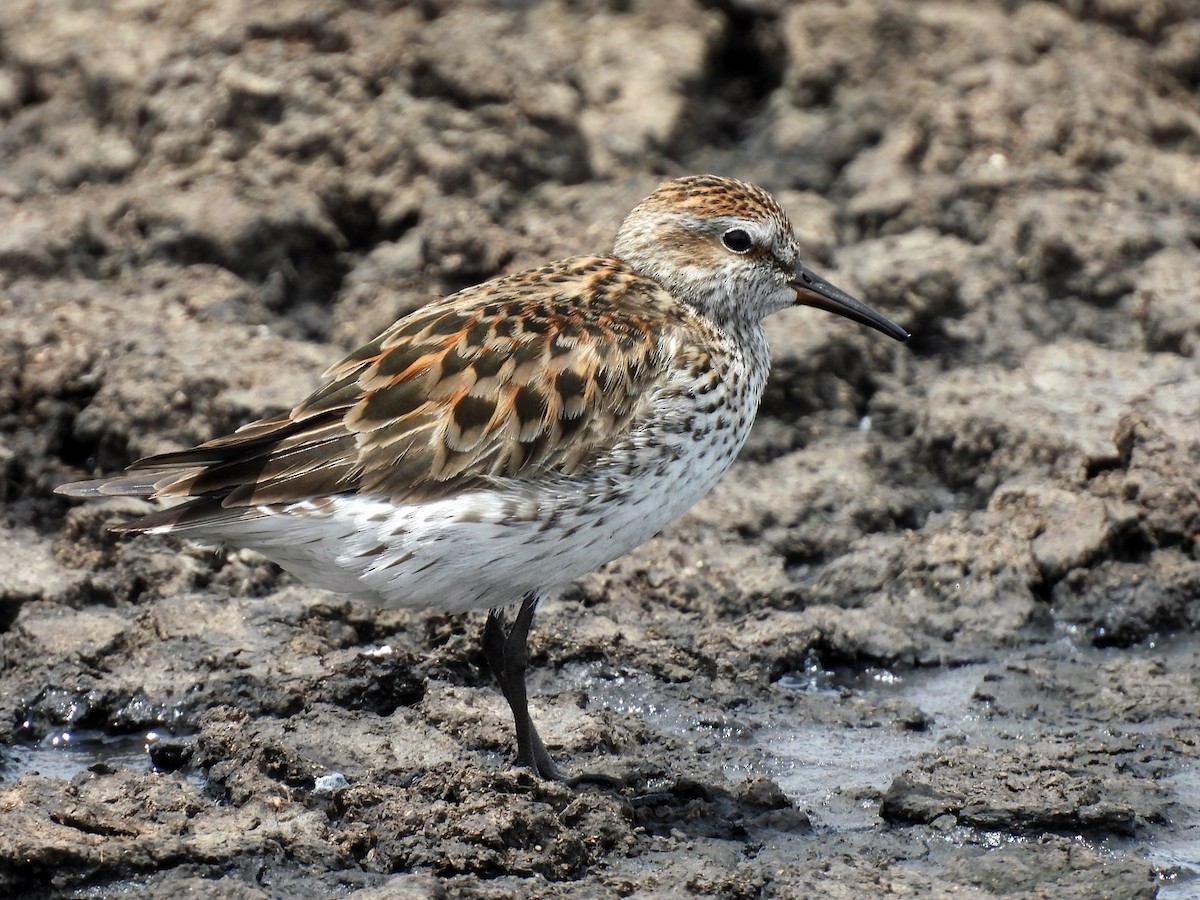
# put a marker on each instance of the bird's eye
(737, 240)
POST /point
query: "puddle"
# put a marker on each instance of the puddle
(628, 694)
(65, 754)
(1176, 850)
(821, 767)
(835, 772)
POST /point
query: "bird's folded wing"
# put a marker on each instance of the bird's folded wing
(527, 375)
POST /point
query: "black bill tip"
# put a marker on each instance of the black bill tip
(813, 290)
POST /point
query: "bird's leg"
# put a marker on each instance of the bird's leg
(507, 656)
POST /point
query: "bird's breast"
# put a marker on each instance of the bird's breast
(692, 432)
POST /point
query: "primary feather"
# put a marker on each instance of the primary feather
(536, 373)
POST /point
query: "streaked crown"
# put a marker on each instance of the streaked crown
(721, 245)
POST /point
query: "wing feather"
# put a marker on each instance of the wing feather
(533, 373)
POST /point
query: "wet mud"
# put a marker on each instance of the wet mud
(934, 634)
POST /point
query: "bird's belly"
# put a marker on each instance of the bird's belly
(491, 547)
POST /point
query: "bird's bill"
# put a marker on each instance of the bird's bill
(813, 290)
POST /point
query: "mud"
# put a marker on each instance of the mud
(935, 633)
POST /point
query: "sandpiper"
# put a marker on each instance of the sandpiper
(507, 438)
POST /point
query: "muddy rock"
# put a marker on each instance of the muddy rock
(935, 632)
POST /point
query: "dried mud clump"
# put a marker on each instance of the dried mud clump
(950, 586)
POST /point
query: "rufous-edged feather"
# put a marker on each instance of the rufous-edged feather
(537, 372)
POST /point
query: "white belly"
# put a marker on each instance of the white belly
(492, 547)
(486, 548)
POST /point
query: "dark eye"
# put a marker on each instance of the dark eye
(737, 240)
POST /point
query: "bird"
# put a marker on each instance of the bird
(505, 439)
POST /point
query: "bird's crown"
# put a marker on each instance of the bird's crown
(723, 246)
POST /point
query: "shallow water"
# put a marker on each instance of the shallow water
(1178, 848)
(65, 754)
(828, 770)
(838, 773)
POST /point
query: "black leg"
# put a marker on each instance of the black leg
(507, 656)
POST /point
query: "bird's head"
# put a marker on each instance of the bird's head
(727, 248)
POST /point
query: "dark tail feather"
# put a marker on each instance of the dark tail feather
(207, 475)
(200, 513)
(151, 474)
(137, 484)
(247, 440)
